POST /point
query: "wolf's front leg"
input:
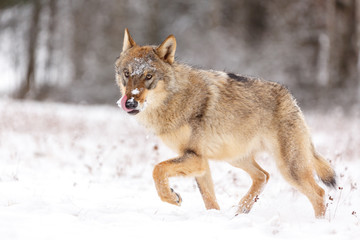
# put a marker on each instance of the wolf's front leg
(189, 164)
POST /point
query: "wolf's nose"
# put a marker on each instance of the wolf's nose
(131, 103)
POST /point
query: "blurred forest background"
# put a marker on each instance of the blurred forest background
(64, 50)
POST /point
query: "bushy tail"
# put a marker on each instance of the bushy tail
(324, 170)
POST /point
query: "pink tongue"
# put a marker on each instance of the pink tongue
(122, 102)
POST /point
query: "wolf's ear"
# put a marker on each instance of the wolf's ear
(128, 41)
(166, 50)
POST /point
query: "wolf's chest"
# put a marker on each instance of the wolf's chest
(178, 140)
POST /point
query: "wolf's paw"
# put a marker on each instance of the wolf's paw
(178, 197)
(243, 208)
(170, 196)
(242, 211)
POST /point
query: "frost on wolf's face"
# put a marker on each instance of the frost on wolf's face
(140, 66)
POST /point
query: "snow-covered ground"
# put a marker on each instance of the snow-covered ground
(85, 172)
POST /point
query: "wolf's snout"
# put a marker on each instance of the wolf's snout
(131, 103)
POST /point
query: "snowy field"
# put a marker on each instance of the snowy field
(85, 172)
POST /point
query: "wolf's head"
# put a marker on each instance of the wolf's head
(141, 70)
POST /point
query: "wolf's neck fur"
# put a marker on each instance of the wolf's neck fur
(180, 101)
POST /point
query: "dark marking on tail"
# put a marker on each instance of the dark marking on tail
(330, 182)
(237, 77)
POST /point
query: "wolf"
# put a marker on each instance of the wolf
(211, 115)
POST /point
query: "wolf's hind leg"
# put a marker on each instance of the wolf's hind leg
(259, 179)
(206, 188)
(190, 164)
(297, 170)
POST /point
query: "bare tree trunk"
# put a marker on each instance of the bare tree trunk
(31, 48)
(51, 32)
(81, 34)
(343, 47)
(42, 91)
(357, 9)
(153, 18)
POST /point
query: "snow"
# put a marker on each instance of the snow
(85, 172)
(119, 103)
(135, 91)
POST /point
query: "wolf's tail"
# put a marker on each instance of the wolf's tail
(324, 170)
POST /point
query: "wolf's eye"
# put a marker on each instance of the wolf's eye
(126, 73)
(148, 76)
